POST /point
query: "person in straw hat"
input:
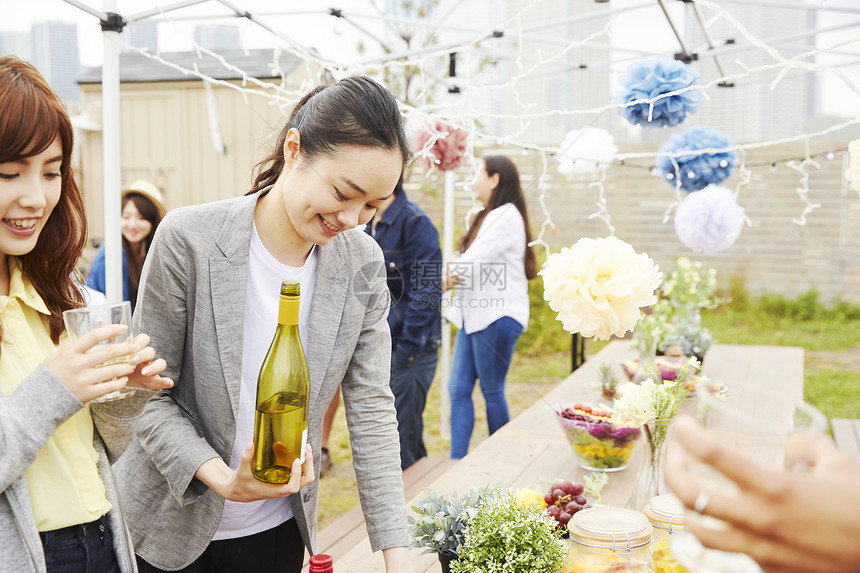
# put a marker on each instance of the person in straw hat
(142, 211)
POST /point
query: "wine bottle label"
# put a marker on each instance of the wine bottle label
(288, 310)
(304, 444)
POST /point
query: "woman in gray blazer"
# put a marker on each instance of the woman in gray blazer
(185, 482)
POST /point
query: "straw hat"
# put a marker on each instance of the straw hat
(149, 191)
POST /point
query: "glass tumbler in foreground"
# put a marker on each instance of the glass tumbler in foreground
(80, 321)
(760, 425)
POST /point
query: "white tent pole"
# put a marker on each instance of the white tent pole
(447, 249)
(111, 154)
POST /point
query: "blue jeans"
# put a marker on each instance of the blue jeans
(86, 548)
(410, 383)
(484, 355)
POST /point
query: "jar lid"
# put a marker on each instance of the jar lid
(614, 528)
(666, 512)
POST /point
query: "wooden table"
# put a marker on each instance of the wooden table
(532, 448)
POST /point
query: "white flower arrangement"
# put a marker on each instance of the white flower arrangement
(853, 172)
(689, 284)
(599, 286)
(644, 403)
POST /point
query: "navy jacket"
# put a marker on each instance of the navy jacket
(413, 262)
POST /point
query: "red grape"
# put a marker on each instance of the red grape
(580, 499)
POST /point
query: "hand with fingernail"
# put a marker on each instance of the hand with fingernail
(80, 364)
(147, 370)
(788, 522)
(241, 485)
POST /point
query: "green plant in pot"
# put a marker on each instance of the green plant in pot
(507, 536)
(439, 523)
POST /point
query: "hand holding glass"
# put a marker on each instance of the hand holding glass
(765, 428)
(81, 321)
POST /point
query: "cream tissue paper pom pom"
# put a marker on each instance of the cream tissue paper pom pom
(598, 286)
(853, 172)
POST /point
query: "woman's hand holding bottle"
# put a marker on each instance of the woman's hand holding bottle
(241, 485)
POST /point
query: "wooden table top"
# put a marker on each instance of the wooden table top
(531, 450)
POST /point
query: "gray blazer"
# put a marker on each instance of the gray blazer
(27, 420)
(191, 302)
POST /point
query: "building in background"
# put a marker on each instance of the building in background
(17, 43)
(197, 142)
(217, 37)
(54, 52)
(140, 35)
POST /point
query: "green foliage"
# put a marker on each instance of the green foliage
(440, 523)
(835, 393)
(778, 320)
(545, 334)
(508, 537)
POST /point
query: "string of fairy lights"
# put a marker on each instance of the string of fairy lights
(428, 65)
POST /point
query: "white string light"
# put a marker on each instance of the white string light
(803, 190)
(425, 63)
(602, 213)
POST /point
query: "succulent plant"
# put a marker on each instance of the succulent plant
(608, 382)
(440, 522)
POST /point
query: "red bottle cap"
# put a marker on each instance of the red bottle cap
(321, 564)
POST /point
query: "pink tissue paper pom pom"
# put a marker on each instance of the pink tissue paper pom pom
(448, 145)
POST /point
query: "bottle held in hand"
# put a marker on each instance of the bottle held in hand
(281, 420)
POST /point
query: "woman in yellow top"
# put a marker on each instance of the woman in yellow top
(58, 504)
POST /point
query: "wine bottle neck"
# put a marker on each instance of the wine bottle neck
(288, 310)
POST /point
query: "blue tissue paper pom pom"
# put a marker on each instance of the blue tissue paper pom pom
(651, 77)
(697, 170)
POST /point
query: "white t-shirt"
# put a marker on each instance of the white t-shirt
(265, 275)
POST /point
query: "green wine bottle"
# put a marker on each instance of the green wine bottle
(281, 420)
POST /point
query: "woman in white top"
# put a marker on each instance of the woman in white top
(491, 305)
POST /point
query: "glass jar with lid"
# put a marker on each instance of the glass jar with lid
(665, 512)
(609, 540)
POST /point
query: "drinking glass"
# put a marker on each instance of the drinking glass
(760, 425)
(80, 321)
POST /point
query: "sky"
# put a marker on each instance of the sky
(337, 39)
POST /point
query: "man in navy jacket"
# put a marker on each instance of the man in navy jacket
(413, 261)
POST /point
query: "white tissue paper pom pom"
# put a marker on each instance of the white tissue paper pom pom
(710, 220)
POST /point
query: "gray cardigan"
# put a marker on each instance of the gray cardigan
(27, 420)
(192, 303)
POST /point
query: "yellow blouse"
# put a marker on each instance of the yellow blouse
(64, 482)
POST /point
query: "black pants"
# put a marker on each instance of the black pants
(278, 550)
(86, 548)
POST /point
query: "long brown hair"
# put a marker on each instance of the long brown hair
(508, 190)
(354, 111)
(33, 117)
(148, 211)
